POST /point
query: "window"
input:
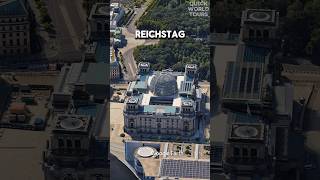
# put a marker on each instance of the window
(254, 153)
(3, 35)
(236, 151)
(69, 143)
(77, 143)
(11, 42)
(18, 42)
(25, 41)
(60, 143)
(18, 34)
(259, 35)
(244, 152)
(266, 34)
(251, 33)
(98, 176)
(4, 43)
(10, 34)
(17, 27)
(131, 121)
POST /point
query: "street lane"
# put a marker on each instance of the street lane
(69, 26)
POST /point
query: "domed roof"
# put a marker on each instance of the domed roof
(164, 84)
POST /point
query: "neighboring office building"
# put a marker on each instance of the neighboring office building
(96, 52)
(163, 103)
(78, 147)
(98, 26)
(91, 51)
(79, 84)
(245, 152)
(263, 146)
(14, 28)
(114, 66)
(116, 16)
(259, 25)
(248, 84)
(90, 4)
(261, 143)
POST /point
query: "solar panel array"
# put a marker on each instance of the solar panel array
(185, 169)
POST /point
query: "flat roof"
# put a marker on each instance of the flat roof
(260, 16)
(159, 109)
(219, 125)
(97, 74)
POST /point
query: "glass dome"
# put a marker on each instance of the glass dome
(164, 84)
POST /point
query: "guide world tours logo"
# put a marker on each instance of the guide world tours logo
(198, 8)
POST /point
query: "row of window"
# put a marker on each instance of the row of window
(131, 107)
(18, 34)
(244, 152)
(12, 51)
(158, 120)
(187, 110)
(149, 131)
(10, 20)
(259, 33)
(13, 28)
(17, 42)
(69, 144)
(158, 125)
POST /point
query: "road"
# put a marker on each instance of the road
(127, 51)
(61, 45)
(69, 20)
(116, 125)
